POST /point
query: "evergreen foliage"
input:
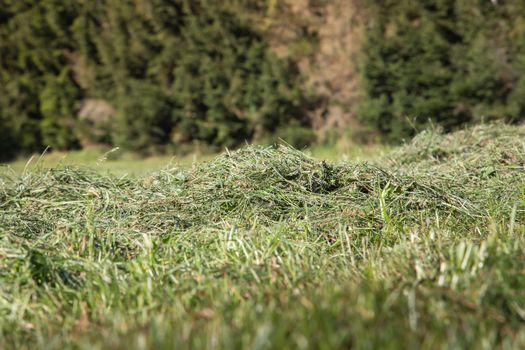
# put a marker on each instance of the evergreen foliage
(441, 61)
(176, 71)
(228, 86)
(35, 92)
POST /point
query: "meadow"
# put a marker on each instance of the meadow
(269, 247)
(123, 163)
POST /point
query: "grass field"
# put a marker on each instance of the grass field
(268, 248)
(119, 163)
(116, 163)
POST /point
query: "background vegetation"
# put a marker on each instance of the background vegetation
(162, 72)
(446, 62)
(169, 75)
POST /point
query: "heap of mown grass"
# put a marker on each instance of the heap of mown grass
(269, 248)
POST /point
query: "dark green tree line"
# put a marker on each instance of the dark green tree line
(175, 72)
(37, 92)
(447, 62)
(151, 75)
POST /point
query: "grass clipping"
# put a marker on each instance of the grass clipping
(405, 243)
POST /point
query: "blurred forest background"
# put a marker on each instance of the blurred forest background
(155, 76)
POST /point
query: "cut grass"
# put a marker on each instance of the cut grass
(267, 247)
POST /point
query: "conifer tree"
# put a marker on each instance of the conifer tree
(228, 86)
(441, 61)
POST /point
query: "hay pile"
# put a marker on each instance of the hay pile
(454, 176)
(425, 243)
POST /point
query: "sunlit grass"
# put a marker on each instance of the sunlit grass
(268, 248)
(114, 162)
(118, 162)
